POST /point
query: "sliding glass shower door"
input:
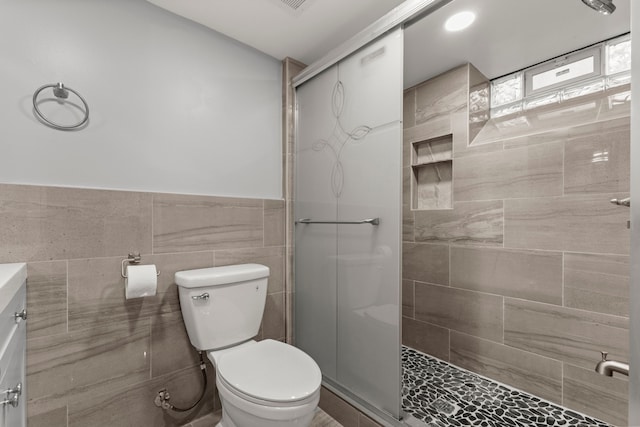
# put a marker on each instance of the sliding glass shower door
(348, 186)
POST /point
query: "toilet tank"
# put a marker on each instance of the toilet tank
(222, 306)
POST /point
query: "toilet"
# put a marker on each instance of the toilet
(261, 383)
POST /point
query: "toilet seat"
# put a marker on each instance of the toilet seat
(270, 372)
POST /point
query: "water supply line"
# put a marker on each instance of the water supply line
(163, 396)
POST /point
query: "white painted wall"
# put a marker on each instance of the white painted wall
(175, 107)
(634, 309)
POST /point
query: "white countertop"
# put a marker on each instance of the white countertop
(12, 276)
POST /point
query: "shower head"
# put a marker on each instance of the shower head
(606, 7)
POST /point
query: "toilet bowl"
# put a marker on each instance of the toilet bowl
(261, 384)
(266, 383)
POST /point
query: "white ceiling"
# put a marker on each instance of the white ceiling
(277, 30)
(507, 35)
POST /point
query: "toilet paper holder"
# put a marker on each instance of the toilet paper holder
(131, 259)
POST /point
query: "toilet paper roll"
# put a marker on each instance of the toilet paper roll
(141, 281)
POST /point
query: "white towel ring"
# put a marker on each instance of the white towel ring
(60, 91)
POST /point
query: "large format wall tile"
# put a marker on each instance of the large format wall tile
(106, 409)
(64, 367)
(597, 282)
(170, 345)
(592, 393)
(573, 336)
(195, 223)
(527, 371)
(532, 275)
(273, 321)
(425, 262)
(425, 337)
(534, 171)
(54, 418)
(97, 293)
(407, 298)
(442, 95)
(573, 223)
(272, 257)
(597, 160)
(469, 223)
(48, 223)
(46, 298)
(470, 312)
(274, 222)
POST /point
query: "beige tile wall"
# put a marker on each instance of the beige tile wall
(526, 279)
(94, 358)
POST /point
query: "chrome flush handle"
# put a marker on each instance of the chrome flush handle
(203, 297)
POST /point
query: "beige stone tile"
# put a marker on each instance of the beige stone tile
(531, 275)
(338, 409)
(60, 368)
(409, 108)
(596, 282)
(407, 298)
(209, 420)
(433, 129)
(407, 213)
(602, 397)
(364, 421)
(586, 223)
(53, 418)
(598, 162)
(273, 324)
(442, 95)
(479, 101)
(425, 262)
(469, 223)
(425, 337)
(566, 334)
(274, 222)
(106, 409)
(97, 293)
(473, 313)
(196, 223)
(49, 223)
(46, 298)
(557, 135)
(432, 186)
(526, 371)
(532, 171)
(171, 349)
(272, 257)
(322, 419)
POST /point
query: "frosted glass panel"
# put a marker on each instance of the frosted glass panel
(349, 168)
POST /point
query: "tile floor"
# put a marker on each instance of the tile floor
(442, 395)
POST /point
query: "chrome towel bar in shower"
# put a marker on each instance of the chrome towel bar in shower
(61, 92)
(372, 221)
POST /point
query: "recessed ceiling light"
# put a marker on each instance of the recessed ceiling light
(460, 21)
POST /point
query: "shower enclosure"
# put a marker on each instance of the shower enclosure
(347, 236)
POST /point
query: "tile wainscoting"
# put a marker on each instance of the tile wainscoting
(94, 358)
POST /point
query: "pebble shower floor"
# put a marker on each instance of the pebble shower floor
(442, 395)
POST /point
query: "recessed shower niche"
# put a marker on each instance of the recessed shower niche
(432, 167)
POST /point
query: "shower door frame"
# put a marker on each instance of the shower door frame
(399, 18)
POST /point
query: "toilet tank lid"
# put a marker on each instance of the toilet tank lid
(214, 276)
